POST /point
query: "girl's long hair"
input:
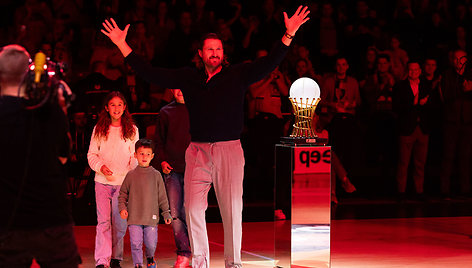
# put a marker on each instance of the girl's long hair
(104, 119)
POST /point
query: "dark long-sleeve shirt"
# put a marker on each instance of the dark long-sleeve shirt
(31, 142)
(411, 114)
(172, 136)
(215, 107)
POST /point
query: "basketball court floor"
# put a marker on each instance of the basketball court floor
(444, 241)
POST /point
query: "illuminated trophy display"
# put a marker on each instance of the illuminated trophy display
(302, 182)
(304, 96)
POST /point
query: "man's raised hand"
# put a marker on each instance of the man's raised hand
(293, 23)
(116, 35)
(111, 29)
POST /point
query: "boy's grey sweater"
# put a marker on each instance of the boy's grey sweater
(142, 194)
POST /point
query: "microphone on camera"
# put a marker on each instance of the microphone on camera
(39, 64)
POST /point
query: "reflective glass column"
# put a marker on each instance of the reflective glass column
(302, 194)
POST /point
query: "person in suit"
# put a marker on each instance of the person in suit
(410, 104)
(456, 96)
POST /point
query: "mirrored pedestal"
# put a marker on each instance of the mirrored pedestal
(302, 194)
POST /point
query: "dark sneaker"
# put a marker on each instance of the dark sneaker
(100, 266)
(115, 263)
(151, 263)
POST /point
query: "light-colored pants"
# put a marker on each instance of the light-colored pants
(111, 228)
(138, 234)
(220, 163)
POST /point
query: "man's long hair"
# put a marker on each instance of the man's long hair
(104, 121)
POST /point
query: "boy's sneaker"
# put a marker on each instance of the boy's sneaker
(181, 262)
(151, 263)
(100, 266)
(114, 263)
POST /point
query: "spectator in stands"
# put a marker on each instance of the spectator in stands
(398, 58)
(376, 92)
(461, 39)
(143, 42)
(162, 27)
(136, 90)
(229, 42)
(91, 90)
(203, 19)
(181, 44)
(435, 35)
(431, 74)
(456, 95)
(328, 38)
(78, 169)
(304, 66)
(138, 12)
(368, 64)
(103, 51)
(377, 88)
(340, 99)
(411, 106)
(302, 69)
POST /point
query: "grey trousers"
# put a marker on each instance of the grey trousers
(220, 164)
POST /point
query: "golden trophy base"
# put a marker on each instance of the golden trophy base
(303, 132)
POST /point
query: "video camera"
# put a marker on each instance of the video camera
(44, 82)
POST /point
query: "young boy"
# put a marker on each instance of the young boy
(141, 195)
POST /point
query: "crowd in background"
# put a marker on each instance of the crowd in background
(361, 47)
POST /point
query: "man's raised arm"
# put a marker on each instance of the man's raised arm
(117, 36)
(293, 23)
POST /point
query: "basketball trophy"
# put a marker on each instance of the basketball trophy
(304, 96)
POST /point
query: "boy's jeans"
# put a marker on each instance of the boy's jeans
(138, 233)
(111, 228)
(175, 194)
